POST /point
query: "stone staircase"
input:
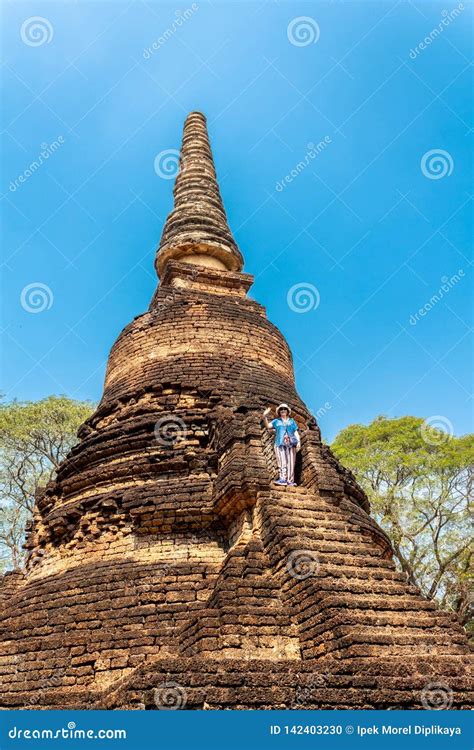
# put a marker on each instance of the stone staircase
(341, 583)
(244, 616)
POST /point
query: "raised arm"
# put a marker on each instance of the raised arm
(268, 424)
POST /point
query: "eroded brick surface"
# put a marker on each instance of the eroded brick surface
(164, 565)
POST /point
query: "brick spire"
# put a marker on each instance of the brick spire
(196, 231)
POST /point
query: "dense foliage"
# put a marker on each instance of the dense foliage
(34, 439)
(419, 481)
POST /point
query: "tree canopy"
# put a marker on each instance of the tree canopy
(34, 439)
(419, 481)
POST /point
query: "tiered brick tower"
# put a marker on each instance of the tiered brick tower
(165, 568)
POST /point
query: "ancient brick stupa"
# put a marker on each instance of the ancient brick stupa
(165, 568)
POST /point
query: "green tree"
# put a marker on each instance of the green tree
(34, 439)
(419, 480)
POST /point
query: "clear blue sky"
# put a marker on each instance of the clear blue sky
(362, 222)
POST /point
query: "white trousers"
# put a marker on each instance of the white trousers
(286, 457)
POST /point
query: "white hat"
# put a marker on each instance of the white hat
(282, 406)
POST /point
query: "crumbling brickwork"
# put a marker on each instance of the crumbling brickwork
(166, 569)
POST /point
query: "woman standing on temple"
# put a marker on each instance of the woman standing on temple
(287, 443)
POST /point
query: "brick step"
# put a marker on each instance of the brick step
(380, 597)
(321, 584)
(396, 666)
(375, 582)
(365, 579)
(437, 622)
(300, 537)
(319, 520)
(395, 601)
(347, 597)
(336, 563)
(414, 682)
(297, 491)
(384, 602)
(344, 533)
(344, 650)
(321, 545)
(331, 575)
(348, 635)
(309, 505)
(325, 525)
(298, 495)
(320, 679)
(339, 648)
(341, 536)
(315, 601)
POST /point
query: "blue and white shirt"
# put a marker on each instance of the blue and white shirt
(282, 427)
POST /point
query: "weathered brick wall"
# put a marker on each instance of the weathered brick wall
(197, 683)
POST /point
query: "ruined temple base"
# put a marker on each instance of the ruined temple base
(212, 684)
